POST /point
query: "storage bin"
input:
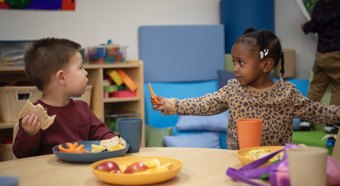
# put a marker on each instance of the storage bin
(11, 106)
(111, 120)
(86, 96)
(107, 54)
(6, 152)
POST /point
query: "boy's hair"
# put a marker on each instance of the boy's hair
(264, 40)
(45, 57)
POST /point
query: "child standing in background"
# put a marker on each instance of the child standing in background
(254, 95)
(56, 67)
(326, 23)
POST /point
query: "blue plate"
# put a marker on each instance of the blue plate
(88, 157)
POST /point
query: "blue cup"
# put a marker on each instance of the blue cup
(130, 129)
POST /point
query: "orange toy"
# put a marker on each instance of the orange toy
(152, 94)
(126, 79)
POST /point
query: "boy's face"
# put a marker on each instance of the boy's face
(247, 64)
(76, 80)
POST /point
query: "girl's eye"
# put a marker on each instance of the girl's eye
(234, 62)
(241, 63)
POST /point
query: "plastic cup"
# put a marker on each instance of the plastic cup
(130, 129)
(307, 166)
(249, 132)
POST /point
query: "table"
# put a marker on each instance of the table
(201, 166)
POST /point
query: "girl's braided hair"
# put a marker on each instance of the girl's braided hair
(265, 40)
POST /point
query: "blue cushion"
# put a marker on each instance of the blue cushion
(173, 90)
(301, 84)
(218, 122)
(201, 140)
(194, 52)
(223, 140)
(296, 124)
(223, 77)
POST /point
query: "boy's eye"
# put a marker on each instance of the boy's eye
(81, 67)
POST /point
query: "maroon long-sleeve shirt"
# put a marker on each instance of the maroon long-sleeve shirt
(73, 122)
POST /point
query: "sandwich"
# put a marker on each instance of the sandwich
(44, 119)
(112, 142)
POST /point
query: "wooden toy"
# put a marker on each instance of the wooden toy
(115, 77)
(126, 79)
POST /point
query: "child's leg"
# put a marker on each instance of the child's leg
(331, 63)
(333, 58)
(320, 79)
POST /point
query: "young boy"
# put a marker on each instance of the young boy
(326, 22)
(55, 67)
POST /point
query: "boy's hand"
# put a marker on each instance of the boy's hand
(157, 106)
(30, 124)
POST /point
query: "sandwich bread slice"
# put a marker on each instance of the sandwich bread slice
(45, 120)
(112, 142)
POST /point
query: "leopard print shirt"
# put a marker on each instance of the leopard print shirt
(276, 106)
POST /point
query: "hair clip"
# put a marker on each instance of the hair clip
(282, 78)
(264, 53)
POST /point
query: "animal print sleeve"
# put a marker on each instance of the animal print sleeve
(314, 111)
(209, 104)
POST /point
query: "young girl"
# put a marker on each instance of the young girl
(254, 95)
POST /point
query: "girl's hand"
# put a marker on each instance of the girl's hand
(157, 106)
(30, 124)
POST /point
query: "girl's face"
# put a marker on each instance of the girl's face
(247, 64)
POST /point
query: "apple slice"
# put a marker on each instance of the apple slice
(136, 167)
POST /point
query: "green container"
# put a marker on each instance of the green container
(111, 120)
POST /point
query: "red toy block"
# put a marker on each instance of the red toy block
(123, 94)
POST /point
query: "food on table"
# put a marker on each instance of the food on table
(73, 148)
(44, 119)
(152, 166)
(260, 153)
(108, 166)
(136, 167)
(109, 143)
(116, 147)
(115, 143)
(97, 148)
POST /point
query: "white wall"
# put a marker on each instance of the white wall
(93, 23)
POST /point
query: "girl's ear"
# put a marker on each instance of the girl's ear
(268, 65)
(60, 76)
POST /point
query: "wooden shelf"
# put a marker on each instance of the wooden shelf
(134, 69)
(112, 100)
(6, 125)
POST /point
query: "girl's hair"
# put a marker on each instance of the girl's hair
(265, 40)
(47, 56)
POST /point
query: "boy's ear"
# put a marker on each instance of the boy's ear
(268, 65)
(60, 76)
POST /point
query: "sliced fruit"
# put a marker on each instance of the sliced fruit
(97, 148)
(153, 163)
(116, 147)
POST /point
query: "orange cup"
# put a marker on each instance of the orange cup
(249, 132)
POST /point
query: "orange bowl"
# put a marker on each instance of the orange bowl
(139, 179)
(242, 153)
